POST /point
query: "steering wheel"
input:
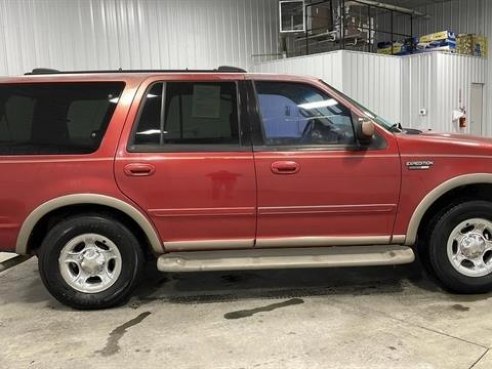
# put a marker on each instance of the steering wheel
(307, 132)
(316, 132)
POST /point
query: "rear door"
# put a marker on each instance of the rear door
(188, 162)
(316, 186)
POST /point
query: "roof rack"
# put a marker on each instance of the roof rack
(221, 69)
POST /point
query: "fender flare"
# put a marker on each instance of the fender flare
(436, 193)
(86, 199)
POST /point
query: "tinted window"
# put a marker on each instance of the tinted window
(194, 113)
(55, 118)
(298, 114)
(149, 126)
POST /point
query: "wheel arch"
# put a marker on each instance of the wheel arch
(43, 211)
(460, 185)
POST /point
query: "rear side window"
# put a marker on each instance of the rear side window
(183, 116)
(55, 118)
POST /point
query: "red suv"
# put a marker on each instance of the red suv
(216, 170)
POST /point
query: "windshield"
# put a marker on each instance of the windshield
(380, 120)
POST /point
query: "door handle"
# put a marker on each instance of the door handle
(139, 169)
(285, 167)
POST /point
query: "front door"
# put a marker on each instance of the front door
(316, 186)
(189, 164)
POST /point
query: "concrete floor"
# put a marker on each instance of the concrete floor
(391, 317)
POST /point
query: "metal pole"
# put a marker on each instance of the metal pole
(370, 28)
(411, 25)
(306, 30)
(342, 24)
(391, 14)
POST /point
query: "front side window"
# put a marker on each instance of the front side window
(179, 114)
(295, 114)
(383, 122)
(55, 118)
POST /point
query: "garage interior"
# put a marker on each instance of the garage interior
(422, 63)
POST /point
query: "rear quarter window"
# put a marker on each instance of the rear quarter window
(55, 118)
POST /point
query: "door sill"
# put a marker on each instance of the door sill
(289, 258)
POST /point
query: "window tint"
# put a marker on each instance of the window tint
(194, 113)
(298, 114)
(149, 126)
(55, 118)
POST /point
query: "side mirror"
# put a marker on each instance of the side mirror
(365, 131)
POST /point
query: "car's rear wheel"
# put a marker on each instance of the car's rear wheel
(460, 247)
(90, 262)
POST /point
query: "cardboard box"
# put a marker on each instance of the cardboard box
(387, 48)
(480, 46)
(405, 47)
(471, 44)
(464, 44)
(437, 45)
(448, 48)
(443, 35)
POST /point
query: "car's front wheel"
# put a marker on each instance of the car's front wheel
(460, 247)
(90, 262)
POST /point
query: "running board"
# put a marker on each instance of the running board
(288, 258)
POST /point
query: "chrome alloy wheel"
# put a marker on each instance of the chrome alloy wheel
(470, 247)
(90, 263)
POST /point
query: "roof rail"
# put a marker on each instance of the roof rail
(43, 71)
(221, 69)
(229, 69)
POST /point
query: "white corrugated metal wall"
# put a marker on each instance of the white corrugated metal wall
(374, 80)
(327, 66)
(430, 81)
(419, 91)
(455, 75)
(434, 82)
(462, 16)
(395, 87)
(109, 34)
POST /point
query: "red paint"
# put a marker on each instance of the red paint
(240, 195)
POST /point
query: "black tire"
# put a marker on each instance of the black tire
(126, 243)
(440, 230)
(423, 239)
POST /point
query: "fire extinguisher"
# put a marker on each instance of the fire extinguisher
(462, 120)
(463, 123)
